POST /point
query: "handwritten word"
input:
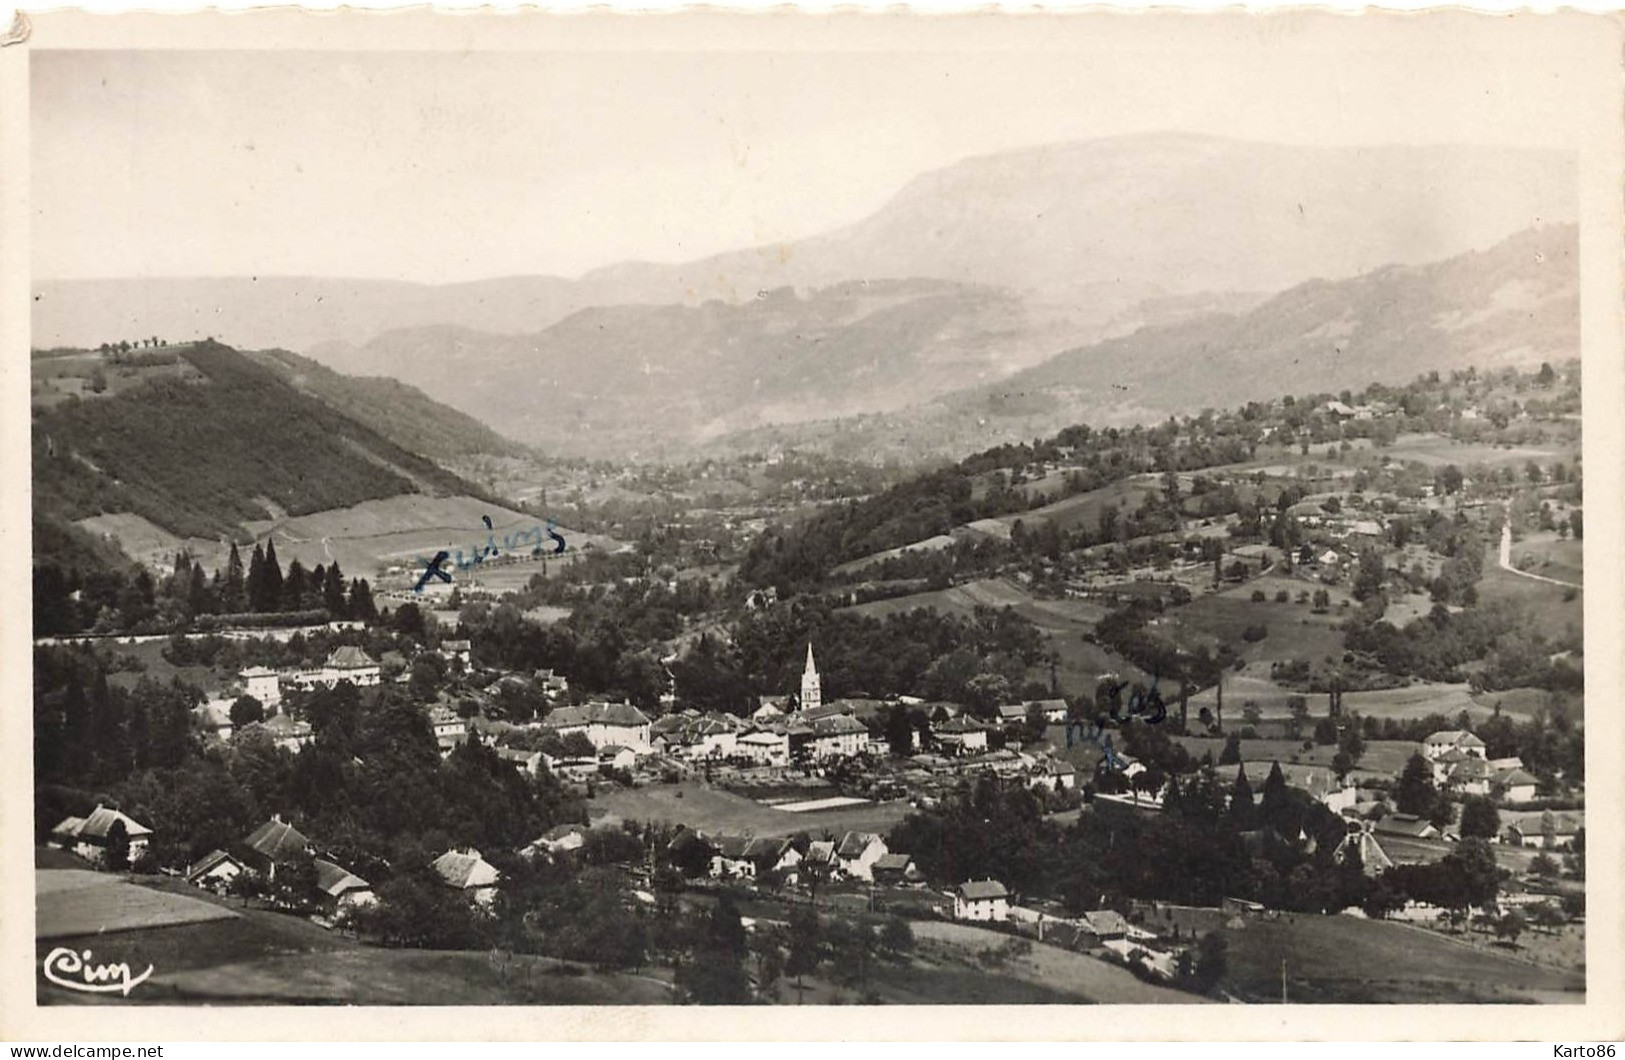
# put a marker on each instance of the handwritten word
(1095, 732)
(512, 542)
(62, 962)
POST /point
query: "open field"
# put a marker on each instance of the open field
(1435, 450)
(1411, 701)
(714, 810)
(1084, 509)
(1554, 557)
(1381, 756)
(1062, 622)
(261, 957)
(1294, 630)
(1075, 973)
(73, 902)
(1543, 603)
(1332, 959)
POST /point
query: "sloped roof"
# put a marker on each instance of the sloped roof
(764, 847)
(1105, 922)
(69, 827)
(732, 846)
(335, 880)
(561, 831)
(350, 657)
(978, 890)
(466, 869)
(1517, 776)
(892, 863)
(101, 820)
(596, 714)
(1470, 769)
(837, 726)
(1403, 824)
(257, 671)
(284, 725)
(207, 862)
(278, 840)
(1013, 712)
(853, 844)
(821, 851)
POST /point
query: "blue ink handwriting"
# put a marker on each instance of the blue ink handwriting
(512, 542)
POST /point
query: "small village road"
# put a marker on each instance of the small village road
(1506, 562)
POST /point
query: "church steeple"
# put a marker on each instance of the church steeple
(811, 690)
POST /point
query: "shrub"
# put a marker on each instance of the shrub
(1254, 633)
(1258, 596)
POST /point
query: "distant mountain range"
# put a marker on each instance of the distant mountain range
(968, 277)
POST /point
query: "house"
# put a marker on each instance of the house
(341, 891)
(614, 756)
(1054, 775)
(1054, 710)
(467, 871)
(553, 684)
(962, 735)
(288, 732)
(457, 651)
(764, 747)
(857, 853)
(981, 900)
(772, 855)
(350, 663)
(1406, 825)
(1515, 785)
(1104, 924)
(1469, 777)
(838, 737)
(448, 723)
(560, 839)
(603, 724)
(770, 711)
(1445, 762)
(896, 869)
(820, 857)
(529, 762)
(1547, 830)
(89, 837)
(276, 842)
(1440, 743)
(215, 871)
(262, 683)
(729, 862)
(1013, 714)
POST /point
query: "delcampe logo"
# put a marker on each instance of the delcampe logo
(74, 971)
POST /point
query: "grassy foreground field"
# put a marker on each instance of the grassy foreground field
(1347, 959)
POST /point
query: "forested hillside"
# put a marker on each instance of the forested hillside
(199, 457)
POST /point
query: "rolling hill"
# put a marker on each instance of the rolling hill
(201, 453)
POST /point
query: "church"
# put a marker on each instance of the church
(811, 691)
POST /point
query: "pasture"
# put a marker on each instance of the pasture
(1084, 509)
(713, 810)
(76, 902)
(1349, 959)
(1435, 450)
(1386, 757)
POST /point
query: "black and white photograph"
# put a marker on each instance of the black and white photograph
(879, 513)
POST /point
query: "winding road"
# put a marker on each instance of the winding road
(1506, 561)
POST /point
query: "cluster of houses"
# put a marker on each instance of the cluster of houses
(1461, 765)
(852, 856)
(345, 663)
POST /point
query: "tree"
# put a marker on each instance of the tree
(1241, 799)
(1298, 707)
(1231, 755)
(1479, 818)
(1545, 377)
(896, 936)
(806, 944)
(118, 847)
(234, 593)
(1510, 926)
(246, 710)
(1414, 793)
(1544, 865)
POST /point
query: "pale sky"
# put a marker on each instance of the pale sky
(444, 166)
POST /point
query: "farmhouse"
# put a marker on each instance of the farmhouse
(1105, 924)
(346, 663)
(457, 651)
(1055, 775)
(1548, 831)
(858, 852)
(1469, 777)
(342, 891)
(288, 732)
(730, 861)
(962, 735)
(276, 842)
(214, 871)
(90, 837)
(772, 855)
(1054, 710)
(1440, 743)
(1515, 785)
(1406, 825)
(529, 762)
(981, 900)
(559, 839)
(467, 871)
(896, 869)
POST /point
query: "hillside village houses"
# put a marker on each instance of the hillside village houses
(981, 900)
(91, 837)
(467, 871)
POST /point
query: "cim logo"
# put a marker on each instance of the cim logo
(74, 971)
